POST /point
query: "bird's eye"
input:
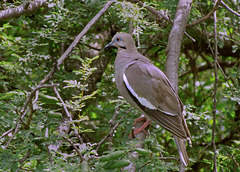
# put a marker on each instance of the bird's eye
(118, 39)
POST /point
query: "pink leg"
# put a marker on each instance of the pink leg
(142, 128)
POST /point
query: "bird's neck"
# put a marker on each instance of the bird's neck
(128, 51)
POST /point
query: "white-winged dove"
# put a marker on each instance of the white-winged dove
(148, 89)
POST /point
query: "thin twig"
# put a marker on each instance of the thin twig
(23, 159)
(13, 135)
(75, 147)
(219, 66)
(25, 112)
(112, 123)
(6, 133)
(231, 10)
(109, 134)
(91, 47)
(207, 16)
(215, 91)
(168, 158)
(209, 144)
(68, 114)
(30, 96)
(48, 151)
(210, 66)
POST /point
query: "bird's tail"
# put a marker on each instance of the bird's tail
(181, 145)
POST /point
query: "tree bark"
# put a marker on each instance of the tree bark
(175, 39)
(174, 45)
(27, 7)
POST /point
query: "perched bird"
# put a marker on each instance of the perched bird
(148, 89)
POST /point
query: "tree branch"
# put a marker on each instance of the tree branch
(25, 112)
(55, 67)
(68, 114)
(6, 133)
(215, 91)
(174, 46)
(231, 10)
(159, 14)
(84, 31)
(75, 147)
(209, 66)
(140, 137)
(207, 16)
(27, 7)
(23, 159)
(108, 135)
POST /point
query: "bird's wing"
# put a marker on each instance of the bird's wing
(151, 90)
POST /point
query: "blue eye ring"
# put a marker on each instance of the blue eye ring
(118, 39)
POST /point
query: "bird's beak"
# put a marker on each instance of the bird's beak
(111, 44)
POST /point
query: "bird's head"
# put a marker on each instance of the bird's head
(122, 41)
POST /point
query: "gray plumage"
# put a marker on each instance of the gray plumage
(147, 88)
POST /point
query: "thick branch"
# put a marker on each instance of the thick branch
(27, 7)
(175, 39)
(174, 45)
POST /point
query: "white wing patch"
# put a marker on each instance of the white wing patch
(167, 112)
(142, 100)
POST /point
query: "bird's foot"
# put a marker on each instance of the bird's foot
(142, 128)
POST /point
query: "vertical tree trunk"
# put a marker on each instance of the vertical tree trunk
(174, 45)
(175, 39)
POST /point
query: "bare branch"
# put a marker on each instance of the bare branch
(75, 147)
(6, 133)
(27, 7)
(30, 96)
(15, 132)
(68, 114)
(168, 158)
(231, 10)
(215, 91)
(207, 16)
(23, 159)
(109, 134)
(112, 123)
(91, 47)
